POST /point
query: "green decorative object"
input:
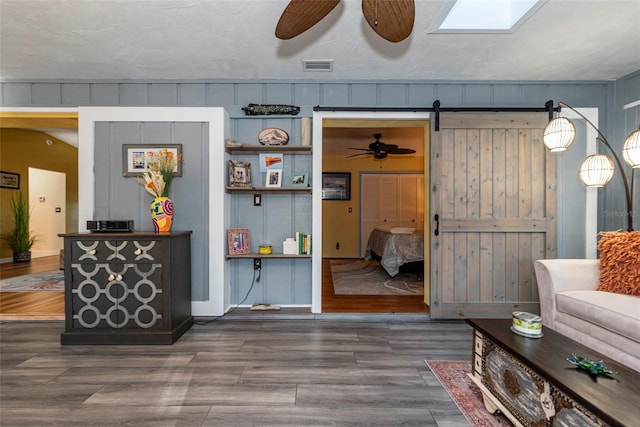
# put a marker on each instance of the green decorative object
(594, 367)
(19, 238)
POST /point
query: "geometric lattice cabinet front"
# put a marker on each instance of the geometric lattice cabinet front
(127, 288)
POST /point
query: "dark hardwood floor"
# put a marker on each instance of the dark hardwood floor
(332, 303)
(31, 305)
(50, 305)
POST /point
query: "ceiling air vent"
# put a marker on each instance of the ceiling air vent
(317, 65)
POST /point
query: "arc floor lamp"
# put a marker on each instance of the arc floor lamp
(597, 169)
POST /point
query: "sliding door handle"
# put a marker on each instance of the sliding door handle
(436, 218)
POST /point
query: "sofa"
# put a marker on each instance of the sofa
(571, 305)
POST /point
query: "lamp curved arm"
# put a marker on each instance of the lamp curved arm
(625, 181)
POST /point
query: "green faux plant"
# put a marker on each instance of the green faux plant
(19, 238)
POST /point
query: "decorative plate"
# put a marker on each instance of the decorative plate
(273, 136)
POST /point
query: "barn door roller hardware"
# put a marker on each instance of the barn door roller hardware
(437, 109)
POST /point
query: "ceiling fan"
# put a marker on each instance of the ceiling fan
(390, 19)
(380, 150)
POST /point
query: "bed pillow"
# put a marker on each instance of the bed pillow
(620, 262)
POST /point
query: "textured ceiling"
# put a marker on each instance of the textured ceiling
(234, 39)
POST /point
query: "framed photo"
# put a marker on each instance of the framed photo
(300, 179)
(135, 157)
(270, 161)
(10, 180)
(238, 239)
(239, 174)
(274, 178)
(336, 185)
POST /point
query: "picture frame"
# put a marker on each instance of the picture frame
(274, 178)
(299, 179)
(239, 174)
(336, 185)
(238, 241)
(135, 157)
(270, 161)
(10, 180)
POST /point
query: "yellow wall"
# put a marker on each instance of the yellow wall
(340, 226)
(21, 149)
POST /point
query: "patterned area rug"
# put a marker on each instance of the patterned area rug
(362, 277)
(47, 281)
(465, 394)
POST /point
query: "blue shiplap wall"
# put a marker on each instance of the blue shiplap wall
(287, 281)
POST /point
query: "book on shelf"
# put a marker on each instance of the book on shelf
(304, 243)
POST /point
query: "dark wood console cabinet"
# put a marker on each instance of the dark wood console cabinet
(127, 288)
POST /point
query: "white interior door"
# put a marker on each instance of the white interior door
(47, 201)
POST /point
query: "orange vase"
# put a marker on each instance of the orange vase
(162, 214)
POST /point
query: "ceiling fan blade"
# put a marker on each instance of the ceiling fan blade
(401, 151)
(363, 149)
(391, 19)
(300, 15)
(387, 147)
(359, 154)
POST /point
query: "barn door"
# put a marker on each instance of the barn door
(495, 200)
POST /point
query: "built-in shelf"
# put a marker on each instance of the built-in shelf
(258, 255)
(266, 190)
(256, 149)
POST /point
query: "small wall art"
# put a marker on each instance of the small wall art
(270, 161)
(136, 157)
(10, 180)
(336, 186)
(238, 239)
(239, 174)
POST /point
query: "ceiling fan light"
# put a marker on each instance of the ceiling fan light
(596, 170)
(559, 134)
(631, 149)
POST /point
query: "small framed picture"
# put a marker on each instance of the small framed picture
(274, 178)
(239, 174)
(300, 179)
(136, 157)
(336, 185)
(271, 161)
(238, 239)
(10, 180)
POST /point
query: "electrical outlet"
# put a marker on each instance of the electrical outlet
(257, 263)
(338, 246)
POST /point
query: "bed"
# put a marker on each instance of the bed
(397, 249)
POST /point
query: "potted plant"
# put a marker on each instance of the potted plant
(19, 238)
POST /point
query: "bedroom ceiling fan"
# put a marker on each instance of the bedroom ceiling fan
(390, 19)
(380, 150)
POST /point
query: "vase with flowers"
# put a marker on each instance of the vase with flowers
(161, 165)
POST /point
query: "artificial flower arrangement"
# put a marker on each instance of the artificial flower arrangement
(160, 167)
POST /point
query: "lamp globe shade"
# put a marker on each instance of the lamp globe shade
(631, 149)
(596, 170)
(559, 134)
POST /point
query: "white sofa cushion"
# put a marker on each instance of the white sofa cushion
(616, 312)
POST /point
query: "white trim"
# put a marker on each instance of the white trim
(316, 208)
(591, 197)
(217, 119)
(631, 105)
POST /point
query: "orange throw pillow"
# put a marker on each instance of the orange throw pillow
(620, 262)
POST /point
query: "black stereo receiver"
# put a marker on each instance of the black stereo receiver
(109, 225)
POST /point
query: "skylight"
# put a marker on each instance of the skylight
(487, 15)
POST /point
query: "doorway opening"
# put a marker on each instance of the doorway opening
(344, 149)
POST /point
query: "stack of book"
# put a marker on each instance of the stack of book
(304, 243)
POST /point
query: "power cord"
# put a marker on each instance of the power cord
(253, 282)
